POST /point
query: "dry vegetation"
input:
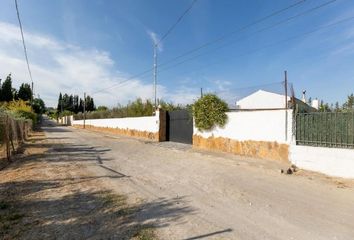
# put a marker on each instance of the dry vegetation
(47, 199)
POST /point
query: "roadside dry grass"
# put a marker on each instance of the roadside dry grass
(43, 199)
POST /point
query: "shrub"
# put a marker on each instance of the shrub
(209, 111)
(20, 109)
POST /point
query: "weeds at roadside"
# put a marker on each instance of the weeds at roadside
(145, 234)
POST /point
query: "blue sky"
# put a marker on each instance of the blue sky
(80, 45)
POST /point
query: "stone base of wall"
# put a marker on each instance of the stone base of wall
(126, 132)
(257, 149)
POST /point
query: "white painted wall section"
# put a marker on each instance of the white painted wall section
(148, 124)
(268, 125)
(336, 162)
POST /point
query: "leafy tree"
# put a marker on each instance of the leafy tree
(90, 105)
(66, 103)
(324, 107)
(102, 108)
(337, 107)
(209, 111)
(15, 94)
(76, 104)
(38, 106)
(81, 106)
(169, 106)
(25, 92)
(0, 91)
(349, 104)
(6, 90)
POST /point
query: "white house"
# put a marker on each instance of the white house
(268, 100)
(262, 100)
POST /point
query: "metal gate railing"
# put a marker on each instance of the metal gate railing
(325, 129)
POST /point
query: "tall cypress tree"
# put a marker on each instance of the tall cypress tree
(25, 92)
(60, 102)
(6, 89)
(1, 99)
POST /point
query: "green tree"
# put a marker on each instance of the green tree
(90, 105)
(169, 106)
(349, 104)
(76, 103)
(324, 107)
(81, 105)
(25, 92)
(6, 89)
(102, 108)
(1, 91)
(14, 94)
(209, 111)
(337, 107)
(38, 106)
(66, 102)
(60, 102)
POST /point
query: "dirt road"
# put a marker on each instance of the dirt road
(188, 194)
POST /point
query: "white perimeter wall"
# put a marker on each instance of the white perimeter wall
(148, 124)
(331, 161)
(268, 125)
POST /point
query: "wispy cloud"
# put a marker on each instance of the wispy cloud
(62, 67)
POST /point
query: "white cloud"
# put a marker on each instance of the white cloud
(61, 67)
(183, 95)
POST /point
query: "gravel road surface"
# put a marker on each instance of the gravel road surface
(191, 194)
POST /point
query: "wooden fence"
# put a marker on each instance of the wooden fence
(13, 132)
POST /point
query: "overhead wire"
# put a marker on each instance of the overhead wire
(24, 44)
(276, 43)
(255, 32)
(176, 23)
(179, 19)
(224, 37)
(238, 30)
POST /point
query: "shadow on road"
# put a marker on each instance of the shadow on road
(56, 203)
(80, 214)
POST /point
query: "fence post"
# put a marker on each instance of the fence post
(7, 142)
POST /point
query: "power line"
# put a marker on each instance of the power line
(205, 44)
(240, 29)
(219, 39)
(275, 43)
(126, 80)
(253, 33)
(155, 45)
(178, 21)
(262, 48)
(24, 44)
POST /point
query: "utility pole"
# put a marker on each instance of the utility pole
(201, 92)
(286, 104)
(286, 88)
(155, 73)
(84, 109)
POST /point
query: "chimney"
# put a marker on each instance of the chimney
(303, 96)
(315, 104)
